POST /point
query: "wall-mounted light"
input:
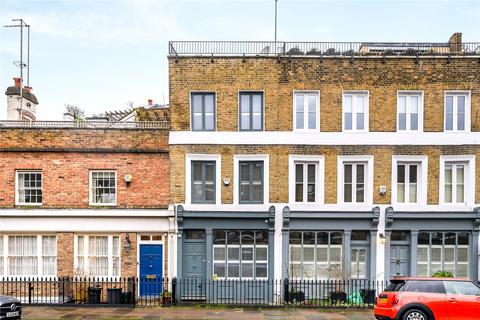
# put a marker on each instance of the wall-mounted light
(226, 181)
(128, 244)
(382, 190)
(382, 238)
(128, 178)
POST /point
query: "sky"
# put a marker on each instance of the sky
(102, 54)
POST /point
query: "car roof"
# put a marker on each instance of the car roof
(427, 278)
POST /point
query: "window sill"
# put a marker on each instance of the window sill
(28, 205)
(100, 206)
(307, 131)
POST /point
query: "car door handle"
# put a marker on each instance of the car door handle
(452, 300)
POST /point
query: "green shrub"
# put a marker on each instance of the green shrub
(443, 274)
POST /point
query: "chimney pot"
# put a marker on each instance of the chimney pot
(27, 88)
(18, 82)
(150, 102)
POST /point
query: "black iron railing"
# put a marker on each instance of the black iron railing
(151, 292)
(74, 291)
(266, 48)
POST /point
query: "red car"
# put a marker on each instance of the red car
(429, 299)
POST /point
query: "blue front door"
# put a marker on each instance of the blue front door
(151, 269)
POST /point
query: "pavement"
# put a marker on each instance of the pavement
(193, 313)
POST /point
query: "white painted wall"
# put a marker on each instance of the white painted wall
(84, 220)
(323, 138)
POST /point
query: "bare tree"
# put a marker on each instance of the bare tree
(75, 112)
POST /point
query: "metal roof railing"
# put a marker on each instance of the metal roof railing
(271, 48)
(85, 124)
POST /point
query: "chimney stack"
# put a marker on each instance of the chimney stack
(455, 42)
(21, 102)
(150, 102)
(18, 82)
(455, 38)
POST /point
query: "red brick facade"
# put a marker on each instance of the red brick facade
(71, 154)
(66, 157)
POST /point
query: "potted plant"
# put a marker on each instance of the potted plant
(166, 298)
(339, 278)
(292, 294)
(81, 288)
(443, 274)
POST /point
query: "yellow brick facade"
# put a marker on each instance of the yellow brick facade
(278, 167)
(279, 78)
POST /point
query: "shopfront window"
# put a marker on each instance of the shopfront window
(240, 254)
(316, 255)
(443, 251)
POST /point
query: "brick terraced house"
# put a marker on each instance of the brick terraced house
(325, 160)
(85, 199)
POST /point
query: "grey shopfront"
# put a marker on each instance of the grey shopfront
(225, 254)
(422, 243)
(329, 245)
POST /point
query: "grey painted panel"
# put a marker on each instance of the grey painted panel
(219, 223)
(194, 269)
(399, 260)
(433, 224)
(330, 224)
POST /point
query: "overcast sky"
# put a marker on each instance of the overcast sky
(102, 54)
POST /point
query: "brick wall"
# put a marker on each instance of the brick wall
(65, 252)
(278, 166)
(66, 156)
(128, 257)
(66, 177)
(83, 139)
(227, 76)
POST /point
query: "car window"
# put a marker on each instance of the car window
(395, 286)
(461, 287)
(425, 286)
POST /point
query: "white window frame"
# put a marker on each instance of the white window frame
(422, 178)
(90, 187)
(429, 247)
(456, 93)
(5, 255)
(188, 176)
(469, 183)
(17, 196)
(86, 253)
(305, 108)
(240, 261)
(357, 262)
(220, 246)
(368, 161)
(255, 261)
(233, 261)
(2, 256)
(214, 109)
(408, 93)
(319, 160)
(366, 118)
(236, 177)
